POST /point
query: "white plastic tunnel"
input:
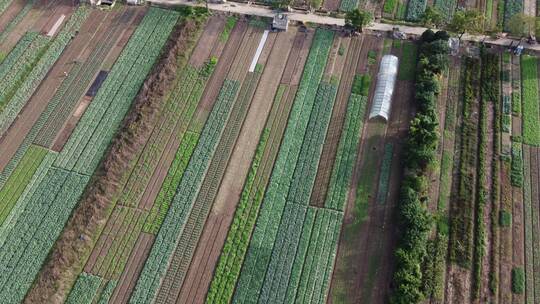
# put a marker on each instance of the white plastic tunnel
(386, 82)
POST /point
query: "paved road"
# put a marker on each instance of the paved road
(263, 11)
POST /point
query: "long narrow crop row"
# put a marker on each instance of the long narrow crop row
(318, 261)
(168, 189)
(17, 182)
(531, 109)
(13, 57)
(186, 193)
(85, 289)
(209, 189)
(122, 231)
(384, 178)
(89, 140)
(175, 117)
(346, 155)
(263, 240)
(236, 244)
(13, 79)
(39, 71)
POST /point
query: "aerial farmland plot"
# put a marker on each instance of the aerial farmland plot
(154, 155)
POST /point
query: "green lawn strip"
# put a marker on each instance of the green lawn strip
(531, 111)
(384, 177)
(368, 173)
(407, 66)
(85, 289)
(156, 265)
(262, 242)
(20, 178)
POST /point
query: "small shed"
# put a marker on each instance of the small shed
(280, 22)
(386, 82)
(135, 2)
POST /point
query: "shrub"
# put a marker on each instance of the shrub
(505, 218)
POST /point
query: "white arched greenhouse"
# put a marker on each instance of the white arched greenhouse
(386, 81)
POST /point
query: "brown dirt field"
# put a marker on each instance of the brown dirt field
(13, 137)
(10, 13)
(134, 266)
(216, 228)
(347, 64)
(331, 5)
(208, 39)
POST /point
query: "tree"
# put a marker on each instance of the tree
(467, 21)
(432, 17)
(357, 19)
(521, 25)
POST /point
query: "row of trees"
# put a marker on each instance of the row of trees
(415, 221)
(463, 21)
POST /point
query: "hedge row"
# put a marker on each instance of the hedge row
(415, 221)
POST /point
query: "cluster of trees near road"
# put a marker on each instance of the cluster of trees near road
(415, 221)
